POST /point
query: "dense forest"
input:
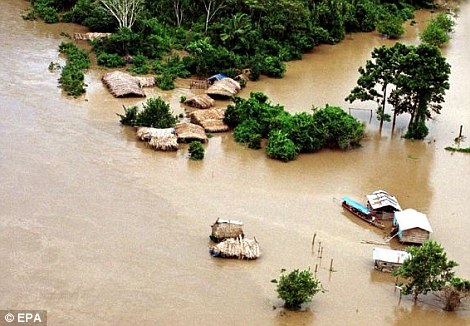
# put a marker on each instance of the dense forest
(180, 37)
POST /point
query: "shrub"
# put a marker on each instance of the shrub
(140, 65)
(72, 78)
(280, 147)
(297, 287)
(165, 81)
(196, 151)
(245, 131)
(273, 67)
(391, 27)
(113, 60)
(155, 113)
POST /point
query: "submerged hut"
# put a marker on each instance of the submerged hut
(202, 101)
(236, 248)
(411, 226)
(187, 132)
(223, 229)
(388, 259)
(89, 36)
(382, 204)
(159, 139)
(121, 84)
(212, 120)
(223, 88)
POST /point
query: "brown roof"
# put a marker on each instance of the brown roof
(89, 36)
(121, 84)
(202, 101)
(226, 87)
(211, 119)
(188, 131)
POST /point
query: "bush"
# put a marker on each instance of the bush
(165, 82)
(155, 113)
(196, 151)
(72, 78)
(273, 67)
(280, 147)
(140, 65)
(245, 132)
(113, 60)
(391, 27)
(297, 287)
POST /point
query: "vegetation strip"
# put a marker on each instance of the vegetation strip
(72, 79)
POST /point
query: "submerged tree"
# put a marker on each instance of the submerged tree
(420, 86)
(297, 287)
(426, 270)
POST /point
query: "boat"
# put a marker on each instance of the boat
(361, 211)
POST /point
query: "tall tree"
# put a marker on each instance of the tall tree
(420, 86)
(426, 270)
(125, 11)
(379, 72)
(212, 7)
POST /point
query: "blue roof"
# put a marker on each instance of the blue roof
(216, 77)
(356, 205)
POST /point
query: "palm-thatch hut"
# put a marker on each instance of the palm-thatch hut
(159, 139)
(236, 248)
(202, 101)
(121, 84)
(89, 36)
(187, 132)
(211, 119)
(223, 88)
(223, 229)
(146, 81)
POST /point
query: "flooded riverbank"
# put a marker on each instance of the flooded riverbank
(98, 229)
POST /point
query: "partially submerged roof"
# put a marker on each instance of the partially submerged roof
(379, 199)
(356, 205)
(189, 131)
(211, 119)
(160, 139)
(223, 221)
(236, 248)
(202, 101)
(121, 84)
(226, 87)
(216, 77)
(389, 255)
(410, 219)
(89, 36)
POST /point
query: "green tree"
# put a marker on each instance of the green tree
(379, 72)
(453, 292)
(125, 11)
(438, 29)
(297, 287)
(280, 147)
(427, 269)
(420, 84)
(196, 151)
(155, 113)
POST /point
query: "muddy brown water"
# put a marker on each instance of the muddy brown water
(100, 230)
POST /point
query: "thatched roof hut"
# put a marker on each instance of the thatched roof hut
(146, 81)
(223, 88)
(121, 84)
(236, 248)
(89, 36)
(159, 139)
(223, 229)
(202, 101)
(211, 119)
(186, 132)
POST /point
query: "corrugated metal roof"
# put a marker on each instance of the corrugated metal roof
(389, 255)
(220, 221)
(380, 198)
(356, 205)
(410, 219)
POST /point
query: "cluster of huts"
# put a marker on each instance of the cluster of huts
(409, 226)
(203, 116)
(229, 241)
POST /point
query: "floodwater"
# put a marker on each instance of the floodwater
(99, 230)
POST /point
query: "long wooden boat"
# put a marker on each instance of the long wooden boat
(361, 211)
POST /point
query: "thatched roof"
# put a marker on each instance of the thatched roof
(121, 84)
(148, 81)
(226, 87)
(202, 101)
(223, 229)
(186, 131)
(159, 139)
(211, 119)
(89, 36)
(236, 248)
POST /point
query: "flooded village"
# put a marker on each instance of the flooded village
(97, 227)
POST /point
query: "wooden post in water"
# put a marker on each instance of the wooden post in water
(321, 252)
(319, 248)
(313, 240)
(316, 269)
(331, 265)
(460, 133)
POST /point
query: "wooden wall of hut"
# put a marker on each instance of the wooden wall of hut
(415, 235)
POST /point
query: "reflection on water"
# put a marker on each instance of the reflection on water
(99, 229)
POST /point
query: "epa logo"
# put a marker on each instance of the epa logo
(18, 317)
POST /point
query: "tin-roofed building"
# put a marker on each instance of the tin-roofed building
(382, 204)
(412, 226)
